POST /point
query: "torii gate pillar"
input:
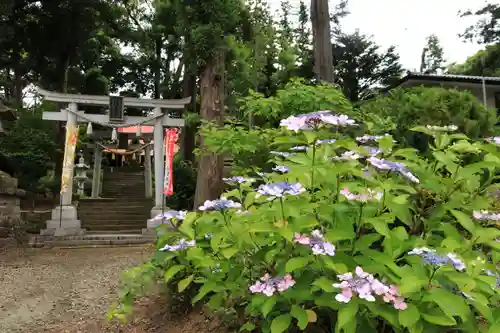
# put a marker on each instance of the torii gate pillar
(64, 220)
(159, 160)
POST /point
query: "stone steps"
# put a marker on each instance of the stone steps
(130, 223)
(93, 240)
(113, 185)
(123, 196)
(116, 208)
(114, 232)
(120, 179)
(114, 215)
(115, 228)
(123, 210)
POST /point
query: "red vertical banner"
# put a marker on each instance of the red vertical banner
(169, 146)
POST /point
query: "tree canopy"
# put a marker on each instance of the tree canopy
(169, 49)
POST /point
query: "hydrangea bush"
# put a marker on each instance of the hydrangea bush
(348, 234)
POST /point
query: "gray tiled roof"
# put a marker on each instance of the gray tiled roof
(449, 77)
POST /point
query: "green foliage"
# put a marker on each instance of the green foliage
(135, 282)
(209, 22)
(296, 97)
(432, 56)
(46, 183)
(407, 108)
(486, 30)
(484, 63)
(248, 149)
(360, 66)
(232, 250)
(29, 147)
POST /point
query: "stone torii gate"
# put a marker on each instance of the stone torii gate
(64, 219)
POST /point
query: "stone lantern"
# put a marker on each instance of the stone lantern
(81, 175)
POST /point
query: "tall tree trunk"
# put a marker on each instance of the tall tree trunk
(16, 55)
(211, 166)
(323, 58)
(8, 89)
(157, 69)
(189, 131)
(18, 87)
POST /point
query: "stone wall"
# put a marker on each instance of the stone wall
(35, 219)
(9, 202)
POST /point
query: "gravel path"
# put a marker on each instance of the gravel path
(41, 289)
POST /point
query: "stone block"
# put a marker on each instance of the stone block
(64, 222)
(64, 213)
(6, 181)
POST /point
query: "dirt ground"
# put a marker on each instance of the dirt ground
(70, 290)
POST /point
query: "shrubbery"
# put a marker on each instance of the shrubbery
(402, 109)
(351, 234)
(296, 98)
(29, 146)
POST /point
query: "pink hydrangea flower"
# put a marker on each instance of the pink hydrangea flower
(285, 283)
(364, 197)
(302, 239)
(269, 285)
(316, 242)
(366, 287)
(392, 295)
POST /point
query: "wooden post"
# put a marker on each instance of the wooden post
(96, 177)
(147, 171)
(159, 159)
(67, 197)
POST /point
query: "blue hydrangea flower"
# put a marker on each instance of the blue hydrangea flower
(495, 140)
(279, 190)
(348, 156)
(367, 138)
(383, 164)
(181, 245)
(314, 120)
(372, 150)
(281, 153)
(484, 215)
(490, 273)
(238, 180)
(320, 142)
(219, 204)
(170, 215)
(432, 258)
(281, 168)
(299, 148)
